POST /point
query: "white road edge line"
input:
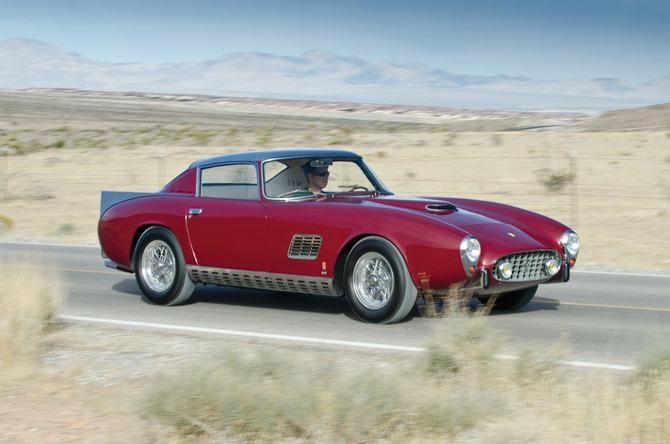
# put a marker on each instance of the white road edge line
(621, 273)
(305, 339)
(9, 241)
(245, 333)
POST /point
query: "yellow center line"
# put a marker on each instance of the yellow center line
(66, 269)
(602, 305)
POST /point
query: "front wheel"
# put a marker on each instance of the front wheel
(160, 269)
(377, 283)
(514, 300)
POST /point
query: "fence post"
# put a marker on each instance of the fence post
(4, 152)
(574, 196)
(162, 157)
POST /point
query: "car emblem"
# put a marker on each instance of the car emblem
(511, 234)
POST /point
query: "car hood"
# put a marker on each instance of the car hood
(497, 237)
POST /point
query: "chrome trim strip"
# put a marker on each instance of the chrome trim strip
(260, 280)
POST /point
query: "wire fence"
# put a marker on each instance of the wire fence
(638, 183)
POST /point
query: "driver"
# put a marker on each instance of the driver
(317, 178)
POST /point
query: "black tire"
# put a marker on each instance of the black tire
(160, 269)
(377, 283)
(514, 300)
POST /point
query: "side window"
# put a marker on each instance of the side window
(230, 182)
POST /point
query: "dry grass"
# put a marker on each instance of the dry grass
(29, 305)
(456, 391)
(261, 393)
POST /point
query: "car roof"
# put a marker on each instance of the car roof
(255, 156)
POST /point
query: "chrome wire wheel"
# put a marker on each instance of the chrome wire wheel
(158, 266)
(373, 281)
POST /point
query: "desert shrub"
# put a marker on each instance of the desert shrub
(18, 146)
(94, 143)
(202, 136)
(66, 228)
(347, 130)
(264, 136)
(60, 143)
(345, 139)
(654, 361)
(540, 366)
(259, 394)
(449, 140)
(5, 223)
(271, 396)
(554, 181)
(28, 310)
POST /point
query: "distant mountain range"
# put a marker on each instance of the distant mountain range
(318, 75)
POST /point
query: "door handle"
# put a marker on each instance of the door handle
(194, 211)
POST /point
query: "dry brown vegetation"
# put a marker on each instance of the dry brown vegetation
(105, 385)
(29, 309)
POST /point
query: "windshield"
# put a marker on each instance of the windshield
(287, 178)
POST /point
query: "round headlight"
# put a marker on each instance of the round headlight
(471, 249)
(551, 267)
(505, 270)
(570, 241)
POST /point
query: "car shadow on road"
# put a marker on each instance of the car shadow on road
(441, 307)
(239, 297)
(536, 304)
(211, 294)
(128, 286)
(273, 300)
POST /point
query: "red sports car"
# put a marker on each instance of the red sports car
(320, 221)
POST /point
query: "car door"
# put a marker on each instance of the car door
(226, 222)
(303, 237)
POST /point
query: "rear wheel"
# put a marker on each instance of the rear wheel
(378, 285)
(514, 300)
(160, 269)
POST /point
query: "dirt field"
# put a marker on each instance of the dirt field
(61, 149)
(608, 177)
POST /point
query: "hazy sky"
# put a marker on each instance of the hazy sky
(544, 39)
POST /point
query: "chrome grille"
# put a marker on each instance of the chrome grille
(304, 246)
(526, 265)
(262, 281)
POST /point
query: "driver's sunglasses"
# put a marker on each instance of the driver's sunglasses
(322, 173)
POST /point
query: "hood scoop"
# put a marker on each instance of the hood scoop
(441, 208)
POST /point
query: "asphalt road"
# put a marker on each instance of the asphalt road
(606, 318)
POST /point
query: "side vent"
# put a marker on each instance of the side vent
(304, 246)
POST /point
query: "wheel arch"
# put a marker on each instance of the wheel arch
(338, 272)
(138, 234)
